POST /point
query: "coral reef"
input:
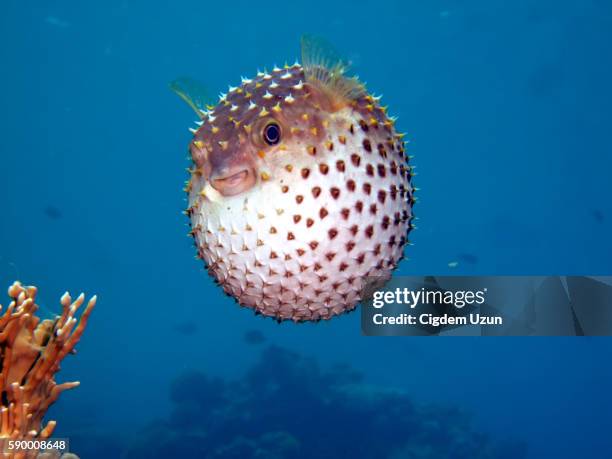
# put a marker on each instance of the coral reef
(286, 406)
(31, 350)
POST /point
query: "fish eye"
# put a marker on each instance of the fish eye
(272, 133)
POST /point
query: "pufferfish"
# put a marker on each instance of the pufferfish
(300, 189)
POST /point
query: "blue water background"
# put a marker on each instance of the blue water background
(507, 109)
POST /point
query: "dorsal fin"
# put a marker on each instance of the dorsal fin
(194, 93)
(325, 69)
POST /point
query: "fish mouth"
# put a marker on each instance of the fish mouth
(233, 182)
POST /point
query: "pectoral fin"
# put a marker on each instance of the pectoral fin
(193, 93)
(325, 69)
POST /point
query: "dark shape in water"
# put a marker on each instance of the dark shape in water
(53, 212)
(598, 216)
(186, 328)
(194, 387)
(254, 337)
(287, 407)
(468, 258)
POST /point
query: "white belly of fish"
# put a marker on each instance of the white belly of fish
(290, 251)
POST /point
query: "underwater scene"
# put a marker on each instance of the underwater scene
(333, 142)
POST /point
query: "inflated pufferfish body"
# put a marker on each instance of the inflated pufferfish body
(300, 189)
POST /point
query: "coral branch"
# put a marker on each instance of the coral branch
(30, 354)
